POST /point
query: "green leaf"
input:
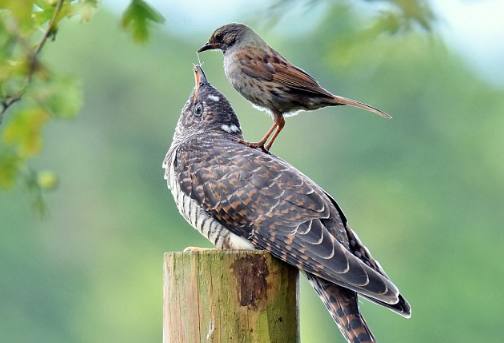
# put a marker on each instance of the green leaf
(31, 182)
(13, 70)
(21, 10)
(43, 15)
(9, 168)
(138, 18)
(24, 131)
(45, 10)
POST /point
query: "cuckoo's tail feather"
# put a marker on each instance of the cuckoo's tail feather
(340, 100)
(343, 307)
(402, 307)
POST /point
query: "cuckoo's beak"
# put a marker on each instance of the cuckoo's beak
(199, 78)
(208, 46)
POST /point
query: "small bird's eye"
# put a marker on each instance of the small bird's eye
(218, 37)
(198, 110)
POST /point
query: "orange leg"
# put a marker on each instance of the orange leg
(280, 123)
(260, 144)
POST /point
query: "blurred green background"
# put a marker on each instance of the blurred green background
(424, 190)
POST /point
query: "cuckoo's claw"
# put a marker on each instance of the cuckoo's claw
(195, 249)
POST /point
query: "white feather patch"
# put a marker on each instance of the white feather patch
(292, 114)
(263, 109)
(230, 128)
(213, 97)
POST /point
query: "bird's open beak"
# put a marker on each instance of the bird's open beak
(208, 46)
(199, 78)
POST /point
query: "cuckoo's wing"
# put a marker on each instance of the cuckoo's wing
(264, 199)
(402, 307)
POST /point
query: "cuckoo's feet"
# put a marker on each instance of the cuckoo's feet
(196, 249)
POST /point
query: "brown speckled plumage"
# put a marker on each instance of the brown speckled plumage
(268, 80)
(272, 206)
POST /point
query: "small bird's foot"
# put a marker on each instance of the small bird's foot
(256, 145)
(195, 249)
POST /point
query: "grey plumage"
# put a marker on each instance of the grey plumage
(240, 197)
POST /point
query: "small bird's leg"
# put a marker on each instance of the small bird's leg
(280, 123)
(260, 144)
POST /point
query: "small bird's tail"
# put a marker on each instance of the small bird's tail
(342, 305)
(340, 100)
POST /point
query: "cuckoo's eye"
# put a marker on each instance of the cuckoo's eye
(198, 110)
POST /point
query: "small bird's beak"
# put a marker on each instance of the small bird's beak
(199, 78)
(208, 46)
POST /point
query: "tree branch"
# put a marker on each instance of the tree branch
(10, 100)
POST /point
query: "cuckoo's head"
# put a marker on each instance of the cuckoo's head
(207, 110)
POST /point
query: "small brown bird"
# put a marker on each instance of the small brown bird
(269, 81)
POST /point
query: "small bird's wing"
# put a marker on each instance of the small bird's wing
(271, 66)
(261, 198)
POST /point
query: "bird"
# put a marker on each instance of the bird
(269, 81)
(240, 197)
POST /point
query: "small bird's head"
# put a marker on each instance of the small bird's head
(207, 110)
(228, 36)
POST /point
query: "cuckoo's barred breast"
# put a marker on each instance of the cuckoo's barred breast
(197, 217)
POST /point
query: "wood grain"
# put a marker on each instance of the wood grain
(229, 296)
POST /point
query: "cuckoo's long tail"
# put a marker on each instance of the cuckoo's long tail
(343, 307)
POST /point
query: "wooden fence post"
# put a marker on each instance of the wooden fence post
(223, 296)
